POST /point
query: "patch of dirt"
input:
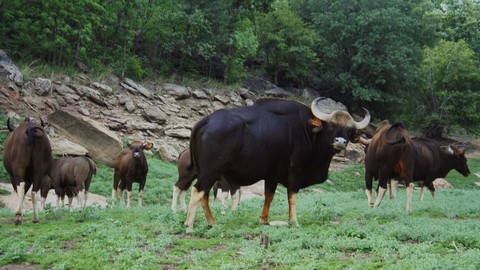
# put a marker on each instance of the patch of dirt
(20, 267)
(10, 200)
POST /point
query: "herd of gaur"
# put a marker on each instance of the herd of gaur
(279, 141)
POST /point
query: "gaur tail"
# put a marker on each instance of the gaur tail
(93, 167)
(10, 126)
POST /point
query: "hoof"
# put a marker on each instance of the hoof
(18, 219)
(35, 221)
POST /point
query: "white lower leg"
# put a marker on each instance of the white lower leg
(381, 193)
(85, 195)
(140, 196)
(224, 199)
(195, 198)
(369, 197)
(129, 197)
(409, 197)
(235, 199)
(393, 189)
(422, 192)
(35, 207)
(122, 199)
(175, 193)
(70, 203)
(183, 194)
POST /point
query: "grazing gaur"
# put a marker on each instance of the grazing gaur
(227, 188)
(432, 162)
(69, 176)
(389, 155)
(186, 176)
(130, 166)
(27, 155)
(281, 141)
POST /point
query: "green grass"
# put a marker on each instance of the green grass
(337, 230)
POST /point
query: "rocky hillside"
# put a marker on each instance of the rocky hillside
(89, 115)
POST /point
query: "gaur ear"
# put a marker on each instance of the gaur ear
(147, 146)
(316, 124)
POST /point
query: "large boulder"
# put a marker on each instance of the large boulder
(102, 145)
(9, 73)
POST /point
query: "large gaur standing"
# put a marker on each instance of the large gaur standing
(389, 155)
(130, 167)
(27, 155)
(277, 140)
(69, 176)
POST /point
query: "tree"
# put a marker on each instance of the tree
(450, 93)
(287, 46)
(369, 50)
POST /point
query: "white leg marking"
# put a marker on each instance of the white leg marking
(369, 197)
(35, 207)
(70, 204)
(381, 193)
(183, 194)
(85, 195)
(175, 193)
(122, 199)
(224, 199)
(195, 198)
(393, 189)
(422, 190)
(129, 198)
(235, 200)
(409, 197)
(140, 196)
(292, 200)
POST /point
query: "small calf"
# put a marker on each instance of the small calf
(69, 176)
(130, 166)
(186, 176)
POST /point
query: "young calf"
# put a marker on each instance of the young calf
(69, 176)
(130, 166)
(186, 176)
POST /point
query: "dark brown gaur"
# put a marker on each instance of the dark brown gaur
(389, 155)
(27, 155)
(130, 167)
(280, 141)
(432, 161)
(186, 176)
(69, 176)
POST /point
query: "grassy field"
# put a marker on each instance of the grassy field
(338, 230)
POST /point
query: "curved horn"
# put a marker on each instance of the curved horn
(42, 122)
(320, 115)
(364, 123)
(10, 126)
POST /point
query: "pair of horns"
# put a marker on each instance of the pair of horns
(327, 116)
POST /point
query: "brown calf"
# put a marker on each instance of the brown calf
(131, 166)
(69, 176)
(27, 155)
(186, 176)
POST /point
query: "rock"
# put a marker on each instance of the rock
(64, 90)
(84, 111)
(43, 87)
(135, 88)
(328, 105)
(222, 99)
(442, 183)
(9, 72)
(136, 125)
(182, 133)
(309, 94)
(277, 92)
(102, 145)
(62, 147)
(249, 102)
(200, 94)
(155, 115)
(130, 106)
(177, 91)
(167, 152)
(103, 88)
(245, 94)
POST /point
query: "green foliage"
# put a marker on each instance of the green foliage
(449, 95)
(287, 46)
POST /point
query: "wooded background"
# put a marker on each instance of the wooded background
(416, 61)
